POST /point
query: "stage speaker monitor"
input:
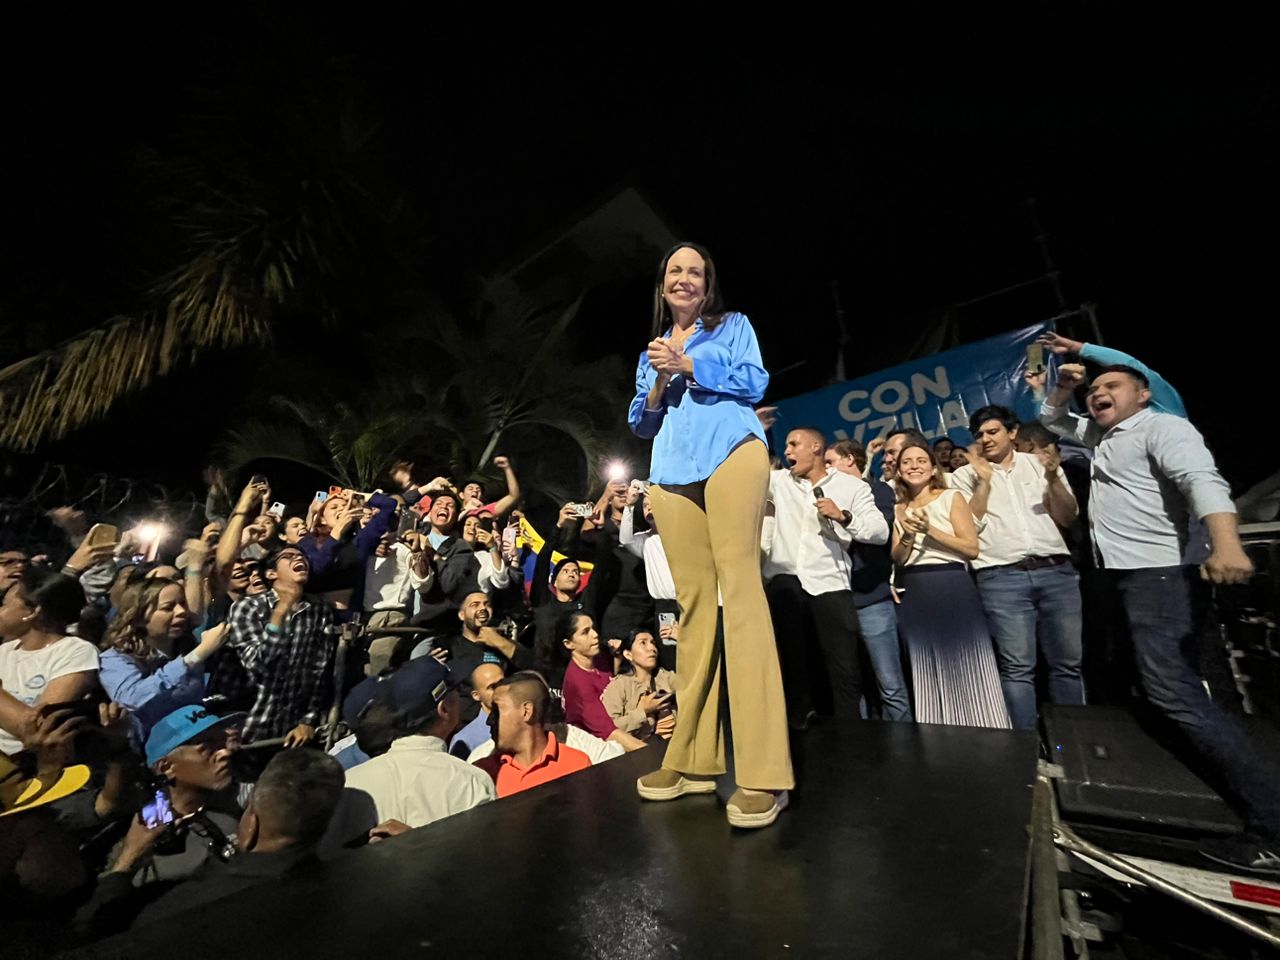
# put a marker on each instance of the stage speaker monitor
(1116, 772)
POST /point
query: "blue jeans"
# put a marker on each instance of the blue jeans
(1022, 605)
(879, 623)
(1158, 606)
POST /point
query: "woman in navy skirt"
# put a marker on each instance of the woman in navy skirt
(953, 666)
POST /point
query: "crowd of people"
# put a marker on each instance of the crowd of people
(180, 720)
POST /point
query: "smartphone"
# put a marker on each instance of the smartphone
(102, 534)
(408, 522)
(584, 509)
(484, 523)
(356, 500)
(321, 496)
(85, 707)
(509, 535)
(257, 478)
(159, 810)
(334, 491)
(277, 509)
(1035, 357)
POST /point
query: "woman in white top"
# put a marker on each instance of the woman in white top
(477, 530)
(39, 663)
(941, 621)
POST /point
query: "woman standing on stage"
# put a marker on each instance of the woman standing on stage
(696, 388)
(953, 665)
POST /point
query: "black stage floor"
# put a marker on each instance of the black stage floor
(902, 841)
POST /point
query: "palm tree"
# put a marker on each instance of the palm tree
(502, 384)
(266, 215)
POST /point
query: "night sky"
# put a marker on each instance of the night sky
(903, 178)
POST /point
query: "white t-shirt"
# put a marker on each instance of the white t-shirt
(26, 673)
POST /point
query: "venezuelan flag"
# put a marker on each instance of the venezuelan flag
(529, 537)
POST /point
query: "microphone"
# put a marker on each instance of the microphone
(824, 522)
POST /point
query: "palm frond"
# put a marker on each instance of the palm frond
(58, 390)
(272, 439)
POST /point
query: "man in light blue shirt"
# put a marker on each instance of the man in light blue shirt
(1151, 472)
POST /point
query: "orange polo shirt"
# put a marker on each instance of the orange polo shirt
(556, 761)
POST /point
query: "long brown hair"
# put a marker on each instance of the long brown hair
(713, 309)
(936, 482)
(128, 631)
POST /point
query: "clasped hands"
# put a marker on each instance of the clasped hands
(667, 360)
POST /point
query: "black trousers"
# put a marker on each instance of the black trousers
(816, 635)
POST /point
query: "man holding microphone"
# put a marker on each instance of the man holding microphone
(818, 514)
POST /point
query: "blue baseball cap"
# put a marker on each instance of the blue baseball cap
(414, 689)
(182, 726)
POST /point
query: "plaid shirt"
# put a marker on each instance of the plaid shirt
(291, 670)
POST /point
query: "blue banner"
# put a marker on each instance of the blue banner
(935, 394)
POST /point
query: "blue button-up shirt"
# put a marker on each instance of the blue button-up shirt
(1148, 472)
(150, 688)
(700, 421)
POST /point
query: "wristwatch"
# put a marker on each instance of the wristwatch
(846, 518)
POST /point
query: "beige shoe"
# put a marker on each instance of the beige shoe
(664, 784)
(750, 809)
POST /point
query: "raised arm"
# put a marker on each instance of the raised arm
(229, 545)
(507, 503)
(1163, 395)
(1056, 413)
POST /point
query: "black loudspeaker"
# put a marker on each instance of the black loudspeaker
(1116, 772)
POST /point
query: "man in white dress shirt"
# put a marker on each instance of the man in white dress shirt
(416, 782)
(818, 513)
(1024, 573)
(1151, 473)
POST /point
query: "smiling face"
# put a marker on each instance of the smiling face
(444, 512)
(291, 566)
(959, 458)
(170, 619)
(684, 285)
(469, 529)
(476, 611)
(915, 467)
(1115, 397)
(892, 448)
(331, 514)
(295, 528)
(258, 582)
